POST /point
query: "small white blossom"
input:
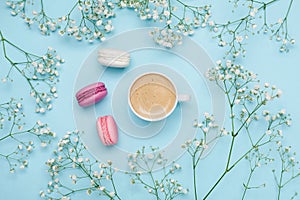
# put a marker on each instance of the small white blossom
(239, 39)
(279, 93)
(280, 21)
(268, 132)
(102, 188)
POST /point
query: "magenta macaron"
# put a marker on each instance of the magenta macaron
(107, 130)
(91, 94)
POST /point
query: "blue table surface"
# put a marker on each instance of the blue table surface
(262, 58)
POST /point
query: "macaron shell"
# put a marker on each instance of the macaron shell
(87, 101)
(113, 57)
(91, 94)
(107, 130)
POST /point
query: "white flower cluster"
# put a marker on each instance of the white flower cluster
(11, 111)
(43, 71)
(246, 96)
(87, 19)
(91, 20)
(257, 159)
(39, 71)
(287, 155)
(12, 131)
(141, 160)
(232, 34)
(142, 164)
(280, 33)
(176, 17)
(289, 168)
(17, 7)
(281, 117)
(229, 71)
(242, 84)
(73, 162)
(43, 132)
(200, 142)
(166, 37)
(95, 20)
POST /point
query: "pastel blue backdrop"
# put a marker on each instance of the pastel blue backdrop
(262, 58)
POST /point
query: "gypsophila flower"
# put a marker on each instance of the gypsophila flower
(246, 97)
(242, 77)
(166, 37)
(40, 72)
(81, 166)
(223, 131)
(91, 20)
(13, 129)
(289, 168)
(256, 159)
(175, 24)
(233, 33)
(200, 143)
(87, 19)
(142, 167)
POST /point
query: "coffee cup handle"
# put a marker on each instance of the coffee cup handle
(183, 97)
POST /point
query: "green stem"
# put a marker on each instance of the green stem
(13, 134)
(72, 9)
(42, 5)
(4, 40)
(230, 153)
(280, 180)
(113, 183)
(292, 178)
(247, 183)
(10, 131)
(257, 144)
(91, 178)
(13, 64)
(186, 6)
(289, 9)
(264, 6)
(194, 178)
(155, 188)
(234, 134)
(227, 169)
(215, 185)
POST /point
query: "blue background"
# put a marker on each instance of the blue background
(263, 58)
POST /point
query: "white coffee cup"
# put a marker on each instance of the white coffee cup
(153, 96)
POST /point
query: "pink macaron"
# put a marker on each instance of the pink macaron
(91, 94)
(107, 130)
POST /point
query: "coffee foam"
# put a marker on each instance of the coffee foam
(152, 96)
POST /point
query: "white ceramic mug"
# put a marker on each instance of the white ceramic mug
(153, 96)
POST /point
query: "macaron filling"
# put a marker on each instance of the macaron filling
(104, 128)
(107, 130)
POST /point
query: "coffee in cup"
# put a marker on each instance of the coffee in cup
(153, 96)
